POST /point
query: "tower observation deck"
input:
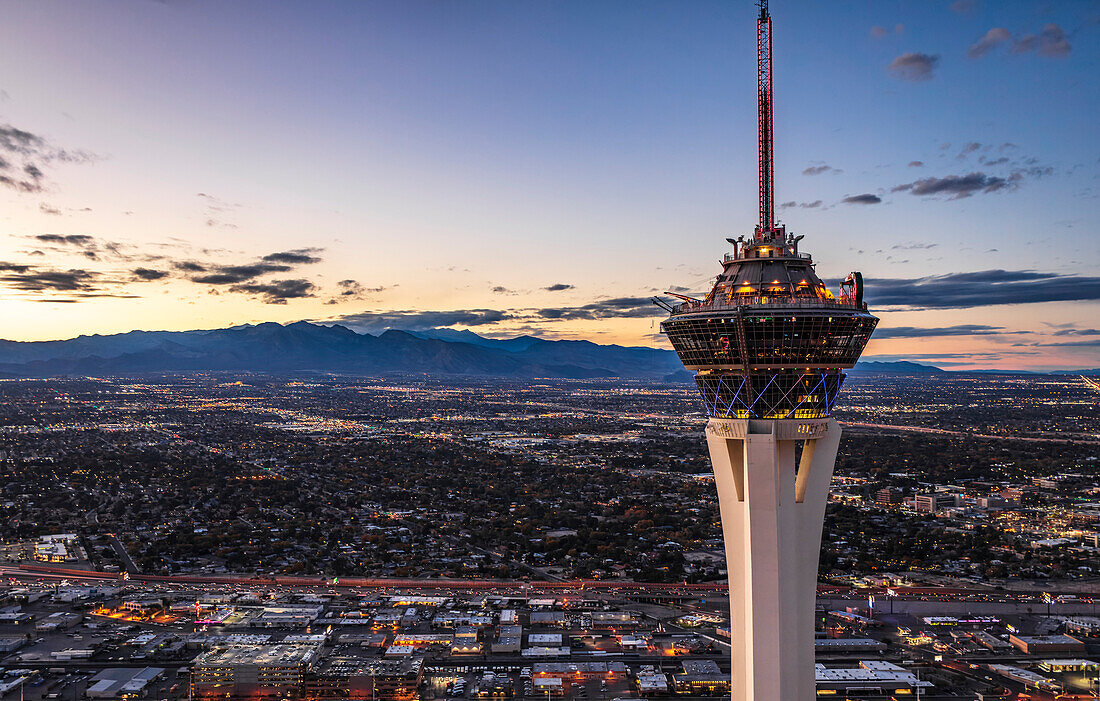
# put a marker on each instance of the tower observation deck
(769, 345)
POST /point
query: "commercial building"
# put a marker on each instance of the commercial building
(931, 503)
(871, 677)
(122, 683)
(700, 678)
(1046, 644)
(356, 678)
(251, 671)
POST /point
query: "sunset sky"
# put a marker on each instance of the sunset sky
(547, 167)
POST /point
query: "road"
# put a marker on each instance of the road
(120, 550)
(963, 434)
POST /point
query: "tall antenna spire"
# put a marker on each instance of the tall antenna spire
(764, 100)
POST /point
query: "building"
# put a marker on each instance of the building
(989, 641)
(887, 496)
(651, 682)
(700, 678)
(769, 344)
(1075, 665)
(252, 671)
(356, 678)
(574, 672)
(871, 677)
(62, 547)
(122, 683)
(931, 503)
(57, 621)
(1046, 644)
(836, 646)
(509, 639)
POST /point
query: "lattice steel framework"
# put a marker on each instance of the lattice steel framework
(769, 396)
(764, 123)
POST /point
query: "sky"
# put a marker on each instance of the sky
(547, 167)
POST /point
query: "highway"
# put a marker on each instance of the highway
(963, 434)
(825, 592)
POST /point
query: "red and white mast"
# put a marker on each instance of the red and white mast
(766, 227)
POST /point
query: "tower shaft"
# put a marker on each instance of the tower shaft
(772, 509)
(764, 121)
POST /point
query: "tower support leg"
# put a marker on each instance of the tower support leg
(772, 511)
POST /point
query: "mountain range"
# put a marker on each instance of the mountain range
(304, 347)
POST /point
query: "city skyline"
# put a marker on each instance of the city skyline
(190, 165)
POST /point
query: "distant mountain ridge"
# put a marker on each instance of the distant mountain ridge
(307, 347)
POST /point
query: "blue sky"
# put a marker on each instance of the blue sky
(547, 166)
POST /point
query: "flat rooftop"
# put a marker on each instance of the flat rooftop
(276, 655)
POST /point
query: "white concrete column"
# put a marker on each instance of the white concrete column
(771, 523)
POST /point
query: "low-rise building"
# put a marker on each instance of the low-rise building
(700, 678)
(250, 671)
(1046, 644)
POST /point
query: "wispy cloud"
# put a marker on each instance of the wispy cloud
(25, 157)
(866, 198)
(914, 67)
(1051, 41)
(932, 331)
(299, 256)
(992, 39)
(277, 291)
(981, 289)
(820, 169)
(958, 186)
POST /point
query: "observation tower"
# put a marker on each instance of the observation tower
(769, 344)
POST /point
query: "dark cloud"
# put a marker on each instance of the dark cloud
(558, 287)
(148, 274)
(1051, 41)
(865, 198)
(79, 240)
(964, 6)
(277, 291)
(1077, 332)
(348, 290)
(992, 39)
(917, 246)
(818, 170)
(803, 205)
(47, 209)
(39, 280)
(501, 290)
(33, 153)
(958, 186)
(617, 308)
(245, 278)
(878, 32)
(299, 256)
(237, 274)
(377, 322)
(916, 164)
(981, 289)
(968, 149)
(352, 288)
(1095, 343)
(918, 332)
(913, 67)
